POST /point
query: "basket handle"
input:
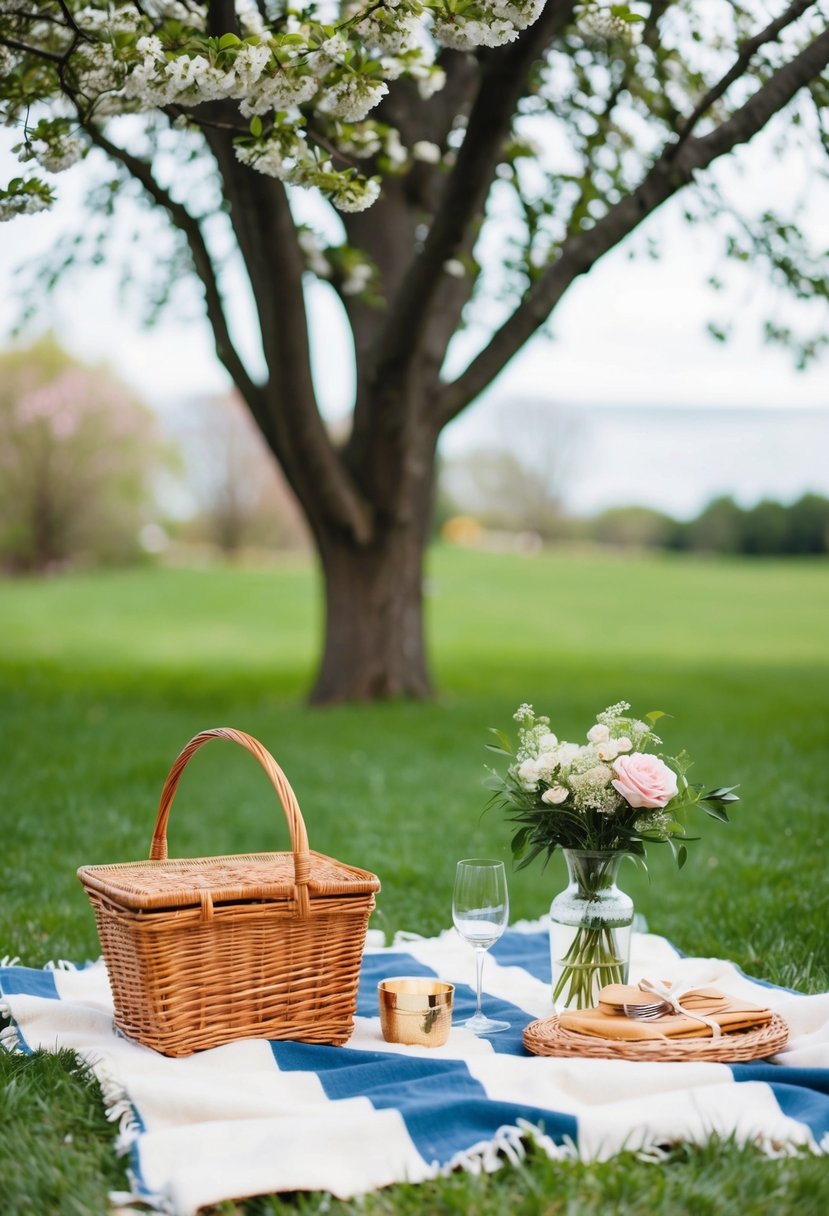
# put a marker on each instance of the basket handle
(296, 824)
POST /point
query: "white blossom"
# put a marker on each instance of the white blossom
(455, 268)
(459, 34)
(598, 733)
(608, 750)
(358, 279)
(250, 63)
(568, 753)
(59, 154)
(277, 157)
(390, 33)
(426, 151)
(357, 196)
(351, 98)
(529, 774)
(555, 795)
(21, 204)
(284, 90)
(312, 247)
(430, 80)
(520, 12)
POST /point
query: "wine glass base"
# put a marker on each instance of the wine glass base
(479, 1024)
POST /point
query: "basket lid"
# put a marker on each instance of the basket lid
(241, 878)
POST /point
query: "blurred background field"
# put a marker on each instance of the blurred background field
(105, 676)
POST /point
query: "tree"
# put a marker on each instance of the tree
(240, 495)
(77, 457)
(431, 111)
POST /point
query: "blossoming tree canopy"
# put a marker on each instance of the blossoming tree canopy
(277, 66)
(478, 156)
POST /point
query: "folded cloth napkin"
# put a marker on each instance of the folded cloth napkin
(608, 1019)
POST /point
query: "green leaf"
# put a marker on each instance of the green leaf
(725, 793)
(503, 739)
(681, 856)
(256, 126)
(227, 40)
(655, 715)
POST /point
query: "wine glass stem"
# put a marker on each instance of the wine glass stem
(479, 967)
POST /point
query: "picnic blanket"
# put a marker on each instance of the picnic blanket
(258, 1117)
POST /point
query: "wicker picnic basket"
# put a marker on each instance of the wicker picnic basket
(202, 951)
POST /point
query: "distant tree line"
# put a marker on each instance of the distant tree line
(497, 489)
(768, 529)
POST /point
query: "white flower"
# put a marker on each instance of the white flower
(460, 34)
(547, 764)
(394, 150)
(567, 753)
(598, 733)
(520, 12)
(600, 774)
(357, 196)
(608, 750)
(358, 279)
(455, 267)
(430, 81)
(60, 154)
(351, 98)
(547, 742)
(624, 745)
(21, 204)
(315, 259)
(250, 63)
(555, 795)
(529, 774)
(428, 152)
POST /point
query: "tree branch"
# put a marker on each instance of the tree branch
(502, 82)
(202, 262)
(747, 51)
(267, 238)
(673, 170)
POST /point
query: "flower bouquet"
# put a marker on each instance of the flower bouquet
(598, 801)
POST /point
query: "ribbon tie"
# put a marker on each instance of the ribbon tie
(671, 995)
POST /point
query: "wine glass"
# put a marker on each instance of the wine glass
(480, 911)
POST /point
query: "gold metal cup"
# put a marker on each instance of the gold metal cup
(415, 1011)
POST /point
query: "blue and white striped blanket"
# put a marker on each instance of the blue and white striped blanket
(257, 1117)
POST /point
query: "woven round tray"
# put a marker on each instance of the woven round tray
(546, 1038)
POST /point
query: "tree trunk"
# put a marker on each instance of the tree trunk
(374, 647)
(374, 636)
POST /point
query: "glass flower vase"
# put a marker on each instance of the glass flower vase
(590, 930)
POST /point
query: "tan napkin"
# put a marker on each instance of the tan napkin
(608, 1020)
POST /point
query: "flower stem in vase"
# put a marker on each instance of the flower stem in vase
(590, 930)
(592, 960)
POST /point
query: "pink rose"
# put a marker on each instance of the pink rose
(644, 781)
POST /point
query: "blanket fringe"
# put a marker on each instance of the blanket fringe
(509, 1145)
(119, 1109)
(10, 1039)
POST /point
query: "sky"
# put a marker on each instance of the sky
(632, 332)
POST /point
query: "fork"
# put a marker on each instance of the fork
(647, 1012)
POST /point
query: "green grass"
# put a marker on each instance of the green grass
(104, 677)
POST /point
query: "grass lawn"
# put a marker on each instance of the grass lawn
(103, 677)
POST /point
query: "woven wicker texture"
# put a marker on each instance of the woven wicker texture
(202, 951)
(547, 1038)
